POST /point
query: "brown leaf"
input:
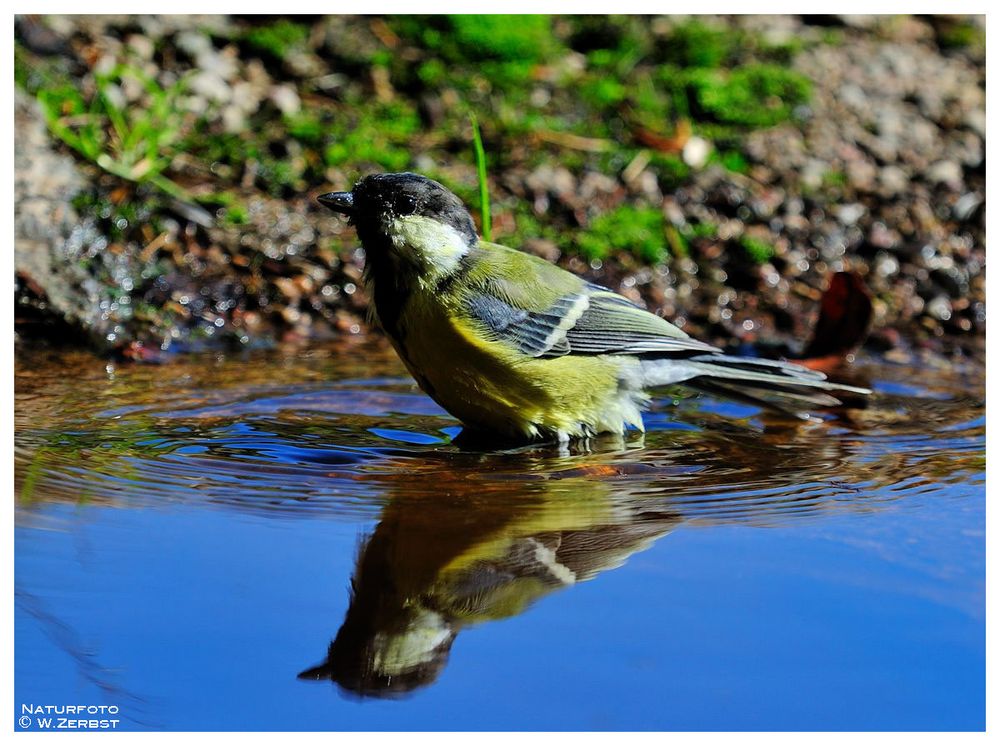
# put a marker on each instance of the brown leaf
(845, 312)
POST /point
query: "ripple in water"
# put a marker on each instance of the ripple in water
(306, 436)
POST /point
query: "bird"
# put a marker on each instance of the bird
(519, 349)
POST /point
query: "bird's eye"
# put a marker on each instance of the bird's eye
(406, 205)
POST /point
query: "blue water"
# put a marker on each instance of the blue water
(186, 537)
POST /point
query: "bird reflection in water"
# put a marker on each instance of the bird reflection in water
(450, 551)
(467, 537)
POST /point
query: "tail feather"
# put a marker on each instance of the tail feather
(774, 384)
(762, 364)
(811, 399)
(745, 396)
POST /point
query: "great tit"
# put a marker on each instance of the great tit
(516, 347)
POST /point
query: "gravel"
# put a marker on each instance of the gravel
(883, 173)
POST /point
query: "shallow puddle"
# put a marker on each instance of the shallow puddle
(294, 541)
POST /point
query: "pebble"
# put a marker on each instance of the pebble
(861, 174)
(211, 86)
(893, 180)
(556, 180)
(286, 99)
(595, 183)
(141, 46)
(966, 205)
(194, 43)
(939, 307)
(886, 265)
(850, 214)
(696, 152)
(975, 119)
(813, 172)
(946, 172)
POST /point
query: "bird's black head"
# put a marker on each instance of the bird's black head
(381, 205)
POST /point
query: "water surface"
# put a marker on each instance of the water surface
(294, 541)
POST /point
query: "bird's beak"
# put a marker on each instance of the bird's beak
(342, 202)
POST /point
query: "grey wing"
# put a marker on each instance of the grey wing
(612, 324)
(535, 333)
(594, 321)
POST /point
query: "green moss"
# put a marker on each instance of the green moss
(305, 126)
(504, 37)
(433, 72)
(601, 59)
(834, 179)
(602, 93)
(960, 35)
(381, 136)
(509, 77)
(381, 58)
(694, 44)
(671, 170)
(474, 53)
(277, 39)
(782, 52)
(236, 214)
(833, 37)
(650, 101)
(613, 44)
(759, 95)
(722, 104)
(465, 38)
(734, 160)
(701, 230)
(759, 252)
(638, 230)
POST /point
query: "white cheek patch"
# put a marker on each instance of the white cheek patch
(430, 243)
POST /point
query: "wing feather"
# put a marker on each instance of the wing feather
(513, 296)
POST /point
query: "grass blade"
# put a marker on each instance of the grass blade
(484, 189)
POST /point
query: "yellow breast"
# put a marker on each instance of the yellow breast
(491, 387)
